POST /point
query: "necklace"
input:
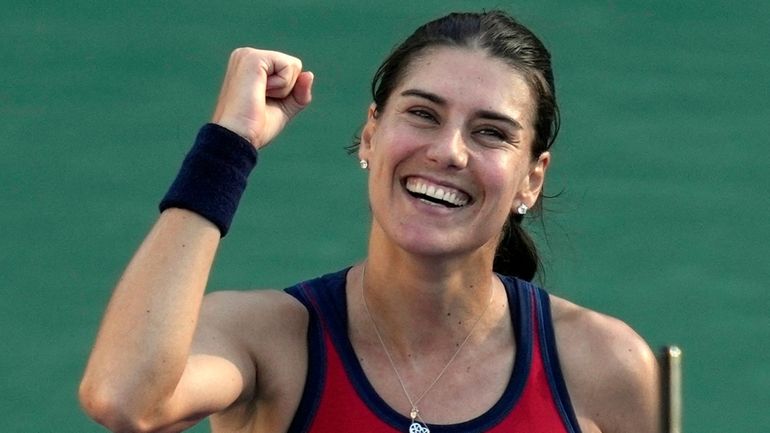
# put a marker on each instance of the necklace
(414, 413)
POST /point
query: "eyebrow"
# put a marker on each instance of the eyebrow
(484, 114)
(425, 95)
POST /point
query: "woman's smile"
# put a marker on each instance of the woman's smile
(437, 194)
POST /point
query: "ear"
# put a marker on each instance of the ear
(366, 147)
(532, 185)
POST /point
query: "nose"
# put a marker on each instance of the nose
(449, 149)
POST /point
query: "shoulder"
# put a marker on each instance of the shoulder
(593, 334)
(611, 373)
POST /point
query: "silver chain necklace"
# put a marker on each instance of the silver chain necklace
(414, 413)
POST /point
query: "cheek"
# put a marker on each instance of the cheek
(503, 175)
(387, 152)
(503, 181)
(392, 145)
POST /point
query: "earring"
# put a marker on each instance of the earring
(522, 209)
(364, 164)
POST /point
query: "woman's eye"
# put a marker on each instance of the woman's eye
(496, 137)
(492, 133)
(422, 114)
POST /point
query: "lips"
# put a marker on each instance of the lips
(437, 194)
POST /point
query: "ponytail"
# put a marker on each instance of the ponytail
(516, 254)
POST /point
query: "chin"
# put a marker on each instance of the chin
(434, 243)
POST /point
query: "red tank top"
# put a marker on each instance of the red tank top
(338, 398)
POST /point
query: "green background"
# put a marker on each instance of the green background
(661, 167)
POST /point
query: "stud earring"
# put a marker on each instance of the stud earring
(364, 164)
(522, 209)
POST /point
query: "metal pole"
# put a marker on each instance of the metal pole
(671, 381)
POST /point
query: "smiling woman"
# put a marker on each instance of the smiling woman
(437, 329)
(508, 41)
(472, 136)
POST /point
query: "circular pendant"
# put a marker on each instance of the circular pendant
(418, 428)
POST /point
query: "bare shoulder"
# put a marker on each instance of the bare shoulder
(611, 373)
(593, 336)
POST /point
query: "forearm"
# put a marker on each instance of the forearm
(141, 375)
(144, 341)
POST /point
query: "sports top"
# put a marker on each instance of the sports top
(338, 397)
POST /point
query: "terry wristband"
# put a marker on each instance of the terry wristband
(213, 176)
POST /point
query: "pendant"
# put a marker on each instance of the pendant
(416, 427)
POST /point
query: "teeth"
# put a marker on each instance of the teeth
(454, 197)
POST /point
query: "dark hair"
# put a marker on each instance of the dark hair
(504, 38)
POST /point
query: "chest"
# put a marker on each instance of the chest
(444, 390)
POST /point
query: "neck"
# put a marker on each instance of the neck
(424, 304)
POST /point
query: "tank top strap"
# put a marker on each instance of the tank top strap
(549, 357)
(314, 295)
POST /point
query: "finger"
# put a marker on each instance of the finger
(301, 94)
(303, 88)
(283, 76)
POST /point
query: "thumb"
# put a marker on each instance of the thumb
(301, 94)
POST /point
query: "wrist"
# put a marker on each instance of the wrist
(242, 132)
(213, 176)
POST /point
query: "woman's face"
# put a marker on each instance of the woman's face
(450, 153)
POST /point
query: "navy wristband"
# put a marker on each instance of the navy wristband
(213, 176)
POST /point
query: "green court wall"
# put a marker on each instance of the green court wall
(660, 172)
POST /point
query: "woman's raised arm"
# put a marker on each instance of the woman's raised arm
(158, 364)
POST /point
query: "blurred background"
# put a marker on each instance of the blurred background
(660, 219)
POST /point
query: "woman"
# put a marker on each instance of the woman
(423, 335)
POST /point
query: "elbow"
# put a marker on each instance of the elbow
(110, 409)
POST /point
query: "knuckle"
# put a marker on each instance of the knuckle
(296, 62)
(242, 53)
(289, 61)
(267, 60)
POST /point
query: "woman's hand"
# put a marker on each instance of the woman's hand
(261, 92)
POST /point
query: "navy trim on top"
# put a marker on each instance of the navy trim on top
(551, 362)
(315, 377)
(327, 294)
(333, 303)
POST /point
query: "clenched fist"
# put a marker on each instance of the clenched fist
(261, 92)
